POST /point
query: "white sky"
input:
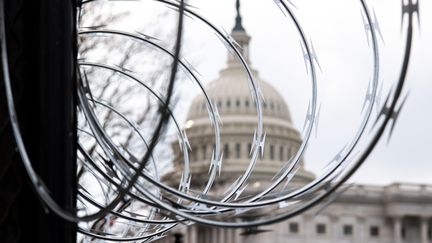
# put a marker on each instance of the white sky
(336, 29)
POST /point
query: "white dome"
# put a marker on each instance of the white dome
(231, 93)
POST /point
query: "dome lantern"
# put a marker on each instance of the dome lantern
(241, 37)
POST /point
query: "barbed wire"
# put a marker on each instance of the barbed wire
(134, 203)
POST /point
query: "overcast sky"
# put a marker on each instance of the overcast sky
(337, 32)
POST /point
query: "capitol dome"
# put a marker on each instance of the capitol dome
(231, 94)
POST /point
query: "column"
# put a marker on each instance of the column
(397, 229)
(222, 235)
(185, 233)
(229, 236)
(361, 231)
(208, 234)
(308, 229)
(424, 226)
(237, 236)
(201, 234)
(192, 234)
(214, 234)
(334, 230)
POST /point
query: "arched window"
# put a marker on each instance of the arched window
(193, 154)
(228, 103)
(238, 103)
(237, 150)
(271, 152)
(293, 150)
(281, 153)
(204, 152)
(247, 103)
(249, 148)
(226, 151)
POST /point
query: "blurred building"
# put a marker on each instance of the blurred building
(398, 213)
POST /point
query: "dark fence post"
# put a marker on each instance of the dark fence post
(41, 38)
(57, 85)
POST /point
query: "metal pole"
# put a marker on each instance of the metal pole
(41, 43)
